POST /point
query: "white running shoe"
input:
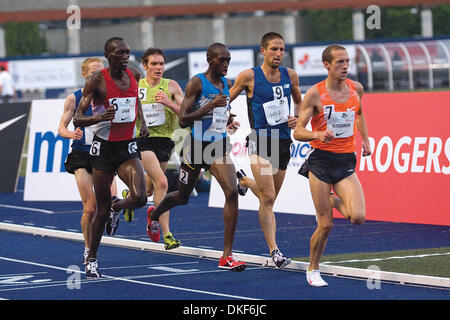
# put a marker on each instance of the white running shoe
(314, 279)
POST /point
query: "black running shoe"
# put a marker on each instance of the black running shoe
(279, 259)
(112, 223)
(91, 269)
(241, 189)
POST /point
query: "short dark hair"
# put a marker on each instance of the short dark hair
(270, 36)
(327, 54)
(212, 49)
(151, 52)
(110, 41)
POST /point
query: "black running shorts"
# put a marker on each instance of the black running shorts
(262, 146)
(77, 160)
(328, 166)
(196, 153)
(110, 155)
(162, 147)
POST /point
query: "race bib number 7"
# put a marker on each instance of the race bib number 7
(341, 123)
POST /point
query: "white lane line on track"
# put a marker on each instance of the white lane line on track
(150, 265)
(390, 258)
(25, 208)
(106, 277)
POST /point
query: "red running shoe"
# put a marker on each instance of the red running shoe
(152, 226)
(231, 264)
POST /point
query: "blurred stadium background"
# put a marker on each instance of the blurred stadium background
(395, 44)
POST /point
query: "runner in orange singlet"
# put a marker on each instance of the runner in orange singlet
(334, 108)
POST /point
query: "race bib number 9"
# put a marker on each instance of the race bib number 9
(276, 111)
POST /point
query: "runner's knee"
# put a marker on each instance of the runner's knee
(162, 184)
(357, 218)
(89, 208)
(267, 199)
(231, 196)
(325, 226)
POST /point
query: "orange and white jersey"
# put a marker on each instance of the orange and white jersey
(337, 117)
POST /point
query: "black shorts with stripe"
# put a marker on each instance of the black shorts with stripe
(77, 159)
(110, 155)
(327, 166)
(277, 151)
(162, 147)
(201, 154)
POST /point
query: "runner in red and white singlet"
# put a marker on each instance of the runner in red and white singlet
(114, 93)
(125, 104)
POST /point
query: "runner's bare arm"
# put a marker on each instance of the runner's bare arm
(296, 97)
(243, 81)
(176, 94)
(69, 109)
(308, 107)
(89, 91)
(192, 92)
(361, 123)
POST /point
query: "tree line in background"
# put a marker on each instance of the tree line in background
(402, 22)
(26, 38)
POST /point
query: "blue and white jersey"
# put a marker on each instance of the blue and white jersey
(212, 126)
(269, 107)
(84, 144)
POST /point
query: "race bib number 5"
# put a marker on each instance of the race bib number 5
(154, 114)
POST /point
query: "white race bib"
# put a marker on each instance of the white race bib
(220, 119)
(154, 114)
(125, 109)
(277, 111)
(88, 135)
(341, 123)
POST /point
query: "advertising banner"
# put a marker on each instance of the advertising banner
(46, 178)
(13, 126)
(44, 73)
(406, 179)
(308, 60)
(240, 60)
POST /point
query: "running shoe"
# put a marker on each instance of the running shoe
(279, 259)
(241, 189)
(229, 263)
(314, 279)
(152, 226)
(128, 214)
(91, 269)
(112, 223)
(170, 242)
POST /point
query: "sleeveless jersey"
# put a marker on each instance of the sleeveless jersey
(125, 103)
(338, 117)
(84, 144)
(160, 119)
(212, 126)
(270, 104)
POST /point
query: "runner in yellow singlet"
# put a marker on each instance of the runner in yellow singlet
(161, 99)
